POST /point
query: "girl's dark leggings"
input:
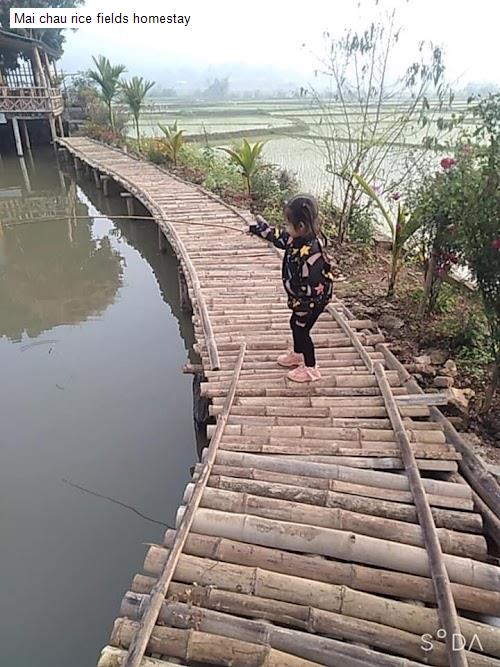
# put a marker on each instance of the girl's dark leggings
(301, 324)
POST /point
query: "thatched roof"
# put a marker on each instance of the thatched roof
(17, 42)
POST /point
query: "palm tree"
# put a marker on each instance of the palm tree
(107, 77)
(133, 93)
(247, 158)
(174, 140)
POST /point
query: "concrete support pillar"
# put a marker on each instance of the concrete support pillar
(17, 137)
(26, 135)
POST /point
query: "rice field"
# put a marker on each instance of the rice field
(294, 130)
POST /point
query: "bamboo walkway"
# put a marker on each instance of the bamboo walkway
(326, 524)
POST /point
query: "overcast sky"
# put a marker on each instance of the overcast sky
(271, 33)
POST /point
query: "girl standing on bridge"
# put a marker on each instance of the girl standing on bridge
(307, 279)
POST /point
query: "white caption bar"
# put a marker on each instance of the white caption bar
(73, 18)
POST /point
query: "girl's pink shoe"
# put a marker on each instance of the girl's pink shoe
(304, 374)
(290, 359)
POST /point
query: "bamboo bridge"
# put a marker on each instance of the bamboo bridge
(344, 523)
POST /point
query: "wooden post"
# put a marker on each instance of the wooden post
(49, 77)
(17, 137)
(105, 184)
(26, 136)
(97, 178)
(27, 182)
(39, 68)
(53, 131)
(162, 241)
(61, 126)
(129, 198)
(184, 299)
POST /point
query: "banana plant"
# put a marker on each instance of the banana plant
(174, 140)
(246, 157)
(402, 227)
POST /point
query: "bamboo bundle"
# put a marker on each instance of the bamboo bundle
(257, 582)
(341, 448)
(290, 643)
(332, 471)
(334, 543)
(407, 643)
(115, 657)
(194, 646)
(304, 431)
(212, 390)
(339, 486)
(458, 543)
(376, 464)
(356, 576)
(319, 418)
(479, 637)
(451, 519)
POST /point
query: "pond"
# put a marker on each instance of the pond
(92, 343)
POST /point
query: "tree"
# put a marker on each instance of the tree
(174, 140)
(133, 93)
(247, 159)
(402, 227)
(107, 77)
(53, 37)
(218, 89)
(370, 113)
(478, 213)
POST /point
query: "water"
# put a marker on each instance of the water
(92, 343)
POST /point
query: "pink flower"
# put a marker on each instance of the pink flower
(441, 272)
(396, 196)
(496, 244)
(467, 150)
(398, 228)
(447, 163)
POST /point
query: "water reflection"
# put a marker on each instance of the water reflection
(58, 273)
(142, 235)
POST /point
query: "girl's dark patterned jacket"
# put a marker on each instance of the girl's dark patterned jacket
(306, 272)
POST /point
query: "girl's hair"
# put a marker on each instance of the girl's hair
(303, 209)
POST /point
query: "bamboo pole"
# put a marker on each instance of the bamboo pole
(450, 519)
(343, 473)
(294, 644)
(357, 576)
(194, 646)
(334, 543)
(391, 530)
(140, 641)
(115, 657)
(337, 623)
(395, 497)
(439, 569)
(476, 474)
(301, 600)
